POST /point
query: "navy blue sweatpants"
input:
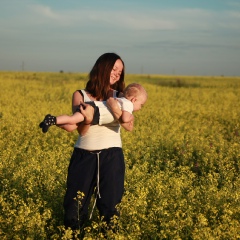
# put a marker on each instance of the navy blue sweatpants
(82, 176)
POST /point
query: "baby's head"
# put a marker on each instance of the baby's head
(136, 94)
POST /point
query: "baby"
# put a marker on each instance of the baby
(134, 97)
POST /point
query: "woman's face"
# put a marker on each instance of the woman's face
(116, 72)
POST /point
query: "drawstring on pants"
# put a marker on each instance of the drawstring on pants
(98, 179)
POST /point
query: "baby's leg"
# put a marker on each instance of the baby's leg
(48, 121)
(68, 127)
(65, 119)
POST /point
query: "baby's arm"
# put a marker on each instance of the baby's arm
(117, 113)
(127, 117)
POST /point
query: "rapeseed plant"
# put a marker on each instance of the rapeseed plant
(182, 160)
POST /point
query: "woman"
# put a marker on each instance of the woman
(97, 160)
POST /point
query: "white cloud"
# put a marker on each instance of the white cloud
(120, 19)
(47, 15)
(132, 20)
(229, 20)
(128, 20)
(234, 14)
(46, 12)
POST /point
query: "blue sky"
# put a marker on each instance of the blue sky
(180, 37)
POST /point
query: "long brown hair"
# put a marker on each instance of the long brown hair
(99, 77)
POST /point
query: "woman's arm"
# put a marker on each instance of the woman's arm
(76, 99)
(117, 113)
(86, 110)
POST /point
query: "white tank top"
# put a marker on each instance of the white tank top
(100, 137)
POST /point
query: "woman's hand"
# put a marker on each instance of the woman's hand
(87, 111)
(83, 127)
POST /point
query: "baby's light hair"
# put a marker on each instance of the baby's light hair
(134, 90)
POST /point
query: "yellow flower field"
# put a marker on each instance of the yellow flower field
(182, 159)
